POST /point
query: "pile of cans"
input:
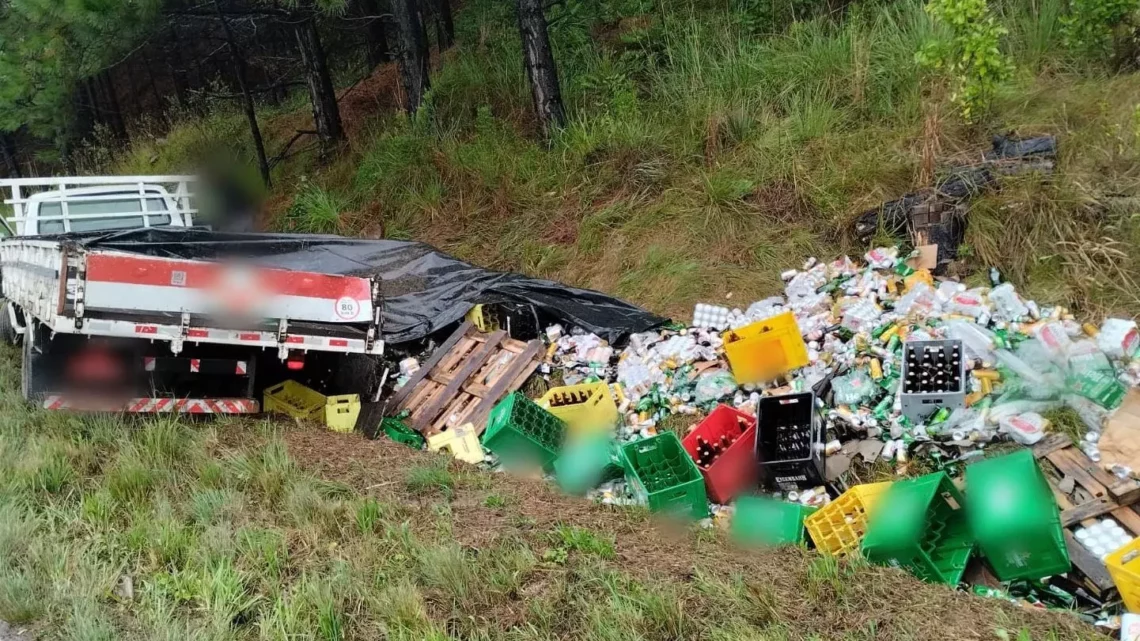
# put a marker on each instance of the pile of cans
(906, 358)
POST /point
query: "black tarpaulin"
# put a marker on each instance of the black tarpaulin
(424, 289)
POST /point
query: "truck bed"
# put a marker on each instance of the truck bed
(77, 289)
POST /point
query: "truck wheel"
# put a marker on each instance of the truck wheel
(7, 331)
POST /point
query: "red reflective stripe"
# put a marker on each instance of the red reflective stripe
(249, 337)
(146, 329)
(338, 342)
(195, 365)
(154, 405)
(241, 367)
(141, 270)
(294, 339)
(197, 333)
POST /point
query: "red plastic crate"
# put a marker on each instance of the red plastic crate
(735, 469)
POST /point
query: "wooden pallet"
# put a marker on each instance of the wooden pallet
(464, 379)
(1084, 493)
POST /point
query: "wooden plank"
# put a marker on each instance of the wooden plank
(456, 357)
(1124, 491)
(425, 368)
(525, 363)
(423, 392)
(1088, 564)
(454, 414)
(1087, 510)
(472, 364)
(432, 391)
(1069, 467)
(1128, 518)
(1050, 444)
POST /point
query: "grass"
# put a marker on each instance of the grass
(223, 534)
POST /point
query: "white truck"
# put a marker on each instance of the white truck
(113, 330)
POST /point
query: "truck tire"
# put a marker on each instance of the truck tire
(7, 331)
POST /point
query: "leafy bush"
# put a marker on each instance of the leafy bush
(972, 55)
(1091, 25)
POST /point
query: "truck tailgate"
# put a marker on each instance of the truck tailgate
(122, 282)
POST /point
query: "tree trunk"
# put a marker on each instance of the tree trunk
(159, 101)
(177, 72)
(112, 112)
(375, 36)
(8, 151)
(414, 56)
(322, 94)
(247, 98)
(444, 25)
(540, 68)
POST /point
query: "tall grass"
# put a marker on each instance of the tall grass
(719, 141)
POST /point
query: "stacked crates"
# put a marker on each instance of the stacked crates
(789, 442)
(338, 413)
(723, 446)
(586, 408)
(1014, 517)
(760, 520)
(838, 527)
(765, 349)
(523, 434)
(921, 525)
(664, 477)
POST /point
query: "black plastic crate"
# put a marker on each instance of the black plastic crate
(789, 442)
(933, 377)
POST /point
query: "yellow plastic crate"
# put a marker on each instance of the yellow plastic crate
(585, 408)
(1124, 566)
(838, 527)
(765, 349)
(338, 413)
(341, 412)
(482, 318)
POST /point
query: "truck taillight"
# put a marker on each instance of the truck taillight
(295, 362)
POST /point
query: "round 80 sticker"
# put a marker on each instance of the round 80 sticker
(347, 308)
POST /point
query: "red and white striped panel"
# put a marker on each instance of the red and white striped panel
(156, 405)
(125, 281)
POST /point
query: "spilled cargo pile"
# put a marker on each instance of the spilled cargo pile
(878, 409)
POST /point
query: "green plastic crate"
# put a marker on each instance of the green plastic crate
(1014, 517)
(764, 521)
(523, 434)
(921, 525)
(664, 477)
(584, 464)
(401, 433)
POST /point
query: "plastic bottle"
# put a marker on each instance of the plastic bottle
(1118, 338)
(1007, 304)
(979, 342)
